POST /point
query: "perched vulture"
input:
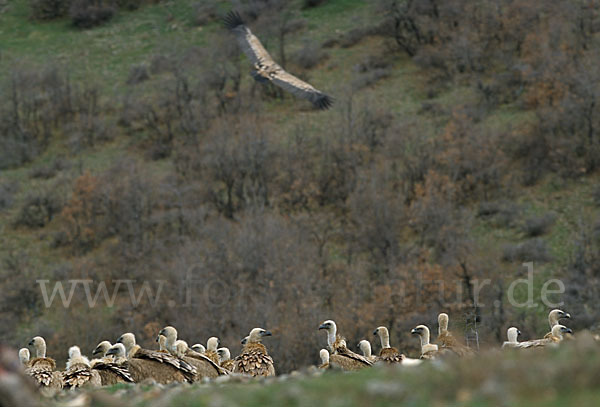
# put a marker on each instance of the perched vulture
(267, 70)
(162, 343)
(554, 318)
(341, 357)
(513, 338)
(42, 368)
(205, 366)
(428, 350)
(365, 348)
(24, 356)
(225, 360)
(211, 349)
(79, 372)
(387, 353)
(254, 359)
(112, 370)
(101, 349)
(198, 347)
(447, 340)
(144, 363)
(556, 336)
(324, 355)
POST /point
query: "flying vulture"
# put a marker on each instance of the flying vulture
(267, 69)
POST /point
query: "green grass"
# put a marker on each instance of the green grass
(566, 376)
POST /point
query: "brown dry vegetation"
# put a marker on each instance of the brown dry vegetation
(360, 214)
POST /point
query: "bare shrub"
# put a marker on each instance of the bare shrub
(312, 3)
(37, 101)
(354, 36)
(138, 74)
(365, 79)
(238, 159)
(91, 13)
(38, 209)
(50, 170)
(116, 203)
(7, 194)
(538, 225)
(502, 213)
(205, 12)
(529, 250)
(309, 56)
(49, 9)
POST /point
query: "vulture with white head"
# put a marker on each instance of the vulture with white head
(110, 369)
(211, 349)
(513, 338)
(447, 340)
(24, 356)
(554, 318)
(556, 337)
(267, 70)
(365, 348)
(42, 368)
(79, 372)
(341, 357)
(205, 366)
(387, 354)
(145, 363)
(324, 355)
(429, 350)
(198, 347)
(225, 360)
(254, 359)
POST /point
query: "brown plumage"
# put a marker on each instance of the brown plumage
(267, 70)
(205, 367)
(42, 368)
(211, 349)
(447, 340)
(254, 359)
(143, 363)
(111, 372)
(324, 354)
(78, 372)
(225, 360)
(554, 318)
(387, 354)
(341, 357)
(556, 336)
(43, 372)
(365, 348)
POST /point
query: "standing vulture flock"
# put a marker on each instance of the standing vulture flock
(174, 361)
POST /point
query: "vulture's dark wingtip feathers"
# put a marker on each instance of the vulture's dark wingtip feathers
(324, 102)
(232, 20)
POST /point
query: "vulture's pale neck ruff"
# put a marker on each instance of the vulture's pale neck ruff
(442, 323)
(24, 355)
(324, 354)
(365, 348)
(224, 354)
(512, 335)
(212, 344)
(384, 337)
(39, 344)
(424, 336)
(171, 334)
(555, 315)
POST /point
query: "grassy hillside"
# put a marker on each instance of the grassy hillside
(546, 378)
(420, 169)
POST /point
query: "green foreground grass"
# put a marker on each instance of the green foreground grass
(569, 375)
